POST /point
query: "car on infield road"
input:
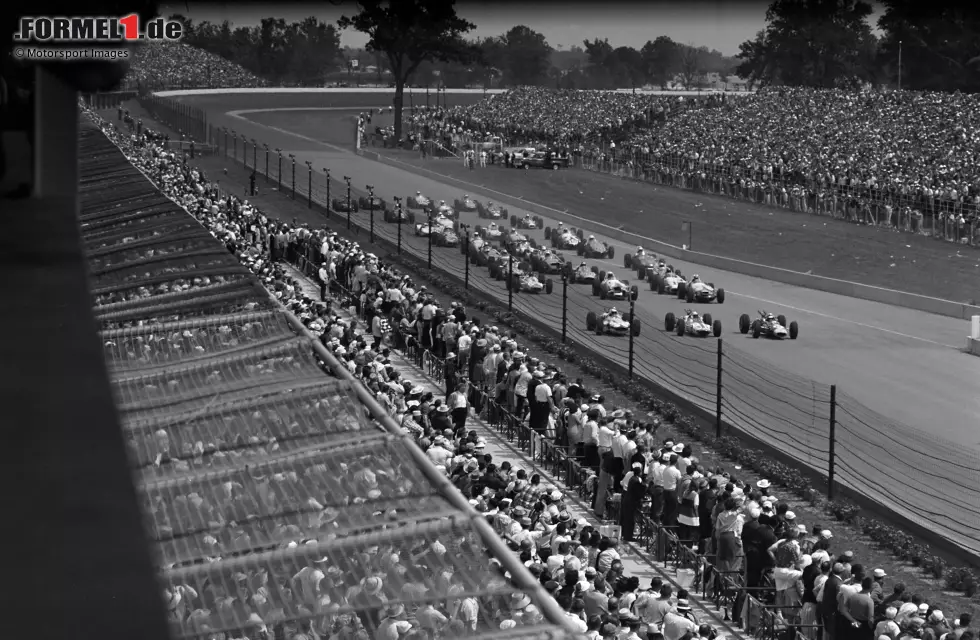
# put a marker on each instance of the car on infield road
(584, 273)
(693, 323)
(526, 222)
(547, 261)
(698, 291)
(768, 325)
(491, 211)
(340, 204)
(392, 215)
(612, 322)
(418, 201)
(593, 248)
(466, 203)
(544, 160)
(643, 262)
(667, 282)
(562, 238)
(608, 287)
(365, 203)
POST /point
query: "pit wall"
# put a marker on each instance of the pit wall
(927, 304)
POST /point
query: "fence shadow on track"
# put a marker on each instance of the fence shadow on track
(929, 482)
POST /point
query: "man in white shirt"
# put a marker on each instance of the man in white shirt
(324, 275)
(672, 477)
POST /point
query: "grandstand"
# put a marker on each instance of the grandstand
(276, 493)
(159, 65)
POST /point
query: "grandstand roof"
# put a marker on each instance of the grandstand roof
(259, 470)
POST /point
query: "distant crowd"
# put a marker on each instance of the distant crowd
(172, 65)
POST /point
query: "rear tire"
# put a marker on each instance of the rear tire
(794, 330)
(681, 290)
(669, 321)
(547, 233)
(716, 328)
(707, 318)
(634, 292)
(744, 323)
(680, 327)
(627, 261)
(781, 319)
(720, 296)
(611, 253)
(549, 285)
(590, 321)
(756, 329)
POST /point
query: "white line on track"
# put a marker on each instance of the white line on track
(238, 114)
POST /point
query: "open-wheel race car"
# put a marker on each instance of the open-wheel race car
(340, 204)
(466, 203)
(517, 243)
(491, 211)
(393, 215)
(366, 202)
(444, 210)
(608, 287)
(527, 221)
(547, 261)
(768, 325)
(612, 322)
(486, 253)
(524, 280)
(584, 273)
(693, 323)
(418, 201)
(643, 262)
(562, 237)
(697, 291)
(666, 280)
(491, 233)
(593, 248)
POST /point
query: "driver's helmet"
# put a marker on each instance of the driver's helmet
(695, 278)
(695, 315)
(639, 251)
(663, 263)
(582, 266)
(418, 193)
(770, 317)
(591, 237)
(466, 196)
(489, 203)
(613, 311)
(561, 224)
(610, 276)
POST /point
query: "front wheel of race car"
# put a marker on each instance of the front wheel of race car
(681, 290)
(513, 221)
(595, 288)
(669, 321)
(716, 328)
(756, 328)
(794, 330)
(627, 261)
(744, 323)
(611, 252)
(635, 326)
(720, 296)
(549, 285)
(707, 318)
(689, 295)
(680, 327)
(634, 292)
(653, 283)
(547, 233)
(580, 234)
(580, 250)
(591, 320)
(782, 319)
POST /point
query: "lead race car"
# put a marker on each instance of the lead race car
(562, 237)
(612, 322)
(609, 287)
(698, 291)
(466, 203)
(491, 211)
(643, 262)
(526, 222)
(694, 324)
(584, 273)
(593, 248)
(769, 326)
(418, 201)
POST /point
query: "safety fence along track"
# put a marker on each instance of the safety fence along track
(272, 488)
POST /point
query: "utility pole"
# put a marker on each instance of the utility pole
(309, 184)
(718, 390)
(326, 176)
(347, 180)
(293, 158)
(510, 283)
(899, 65)
(429, 214)
(564, 307)
(279, 171)
(255, 151)
(632, 320)
(370, 189)
(266, 162)
(398, 212)
(466, 276)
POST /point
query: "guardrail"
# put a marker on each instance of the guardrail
(808, 422)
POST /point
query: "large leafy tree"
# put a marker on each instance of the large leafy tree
(940, 43)
(526, 56)
(815, 43)
(660, 57)
(410, 32)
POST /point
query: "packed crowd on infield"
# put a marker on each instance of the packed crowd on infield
(368, 314)
(884, 158)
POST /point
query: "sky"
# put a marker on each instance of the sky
(720, 25)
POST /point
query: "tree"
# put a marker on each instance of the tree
(409, 32)
(940, 44)
(660, 58)
(526, 56)
(629, 68)
(691, 66)
(813, 43)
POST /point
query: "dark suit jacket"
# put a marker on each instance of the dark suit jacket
(828, 605)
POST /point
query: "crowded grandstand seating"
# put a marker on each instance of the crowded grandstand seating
(767, 567)
(172, 65)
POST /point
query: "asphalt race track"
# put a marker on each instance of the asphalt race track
(902, 363)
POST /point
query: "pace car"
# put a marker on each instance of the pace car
(612, 322)
(491, 211)
(491, 232)
(527, 222)
(392, 215)
(697, 291)
(584, 273)
(418, 201)
(466, 203)
(563, 238)
(643, 262)
(609, 287)
(768, 325)
(547, 261)
(340, 204)
(593, 248)
(693, 323)
(366, 202)
(668, 282)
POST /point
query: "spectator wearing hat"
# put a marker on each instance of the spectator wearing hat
(962, 627)
(828, 599)
(936, 626)
(681, 620)
(728, 543)
(888, 627)
(458, 402)
(878, 588)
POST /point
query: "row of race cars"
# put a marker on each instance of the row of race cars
(511, 256)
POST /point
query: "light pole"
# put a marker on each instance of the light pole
(255, 150)
(279, 171)
(510, 283)
(347, 180)
(326, 176)
(466, 253)
(398, 213)
(225, 129)
(234, 141)
(899, 65)
(632, 320)
(309, 184)
(293, 158)
(429, 214)
(371, 209)
(266, 162)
